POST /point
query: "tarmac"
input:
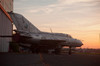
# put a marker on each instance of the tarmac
(72, 60)
(16, 59)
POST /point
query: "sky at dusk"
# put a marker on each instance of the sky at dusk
(79, 18)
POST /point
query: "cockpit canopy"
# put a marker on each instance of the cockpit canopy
(69, 36)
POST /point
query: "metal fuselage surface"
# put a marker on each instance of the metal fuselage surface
(49, 39)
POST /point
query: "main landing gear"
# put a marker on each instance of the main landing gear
(70, 50)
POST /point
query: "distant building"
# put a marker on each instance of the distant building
(6, 26)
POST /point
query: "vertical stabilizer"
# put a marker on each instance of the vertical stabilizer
(22, 23)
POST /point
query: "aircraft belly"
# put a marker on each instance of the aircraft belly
(29, 41)
(73, 44)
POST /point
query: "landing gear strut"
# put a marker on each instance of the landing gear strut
(70, 51)
(57, 51)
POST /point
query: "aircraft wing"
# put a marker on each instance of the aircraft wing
(51, 42)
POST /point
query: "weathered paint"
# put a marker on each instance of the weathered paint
(5, 12)
(7, 5)
(5, 29)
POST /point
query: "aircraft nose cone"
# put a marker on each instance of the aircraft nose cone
(79, 43)
(74, 42)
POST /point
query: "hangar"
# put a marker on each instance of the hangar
(6, 26)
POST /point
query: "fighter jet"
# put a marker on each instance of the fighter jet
(28, 35)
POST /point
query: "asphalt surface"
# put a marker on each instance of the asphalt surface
(72, 60)
(13, 59)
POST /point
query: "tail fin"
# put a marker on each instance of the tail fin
(22, 23)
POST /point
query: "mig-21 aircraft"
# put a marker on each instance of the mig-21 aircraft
(27, 35)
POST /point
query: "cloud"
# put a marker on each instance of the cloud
(24, 0)
(77, 13)
(59, 5)
(67, 6)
